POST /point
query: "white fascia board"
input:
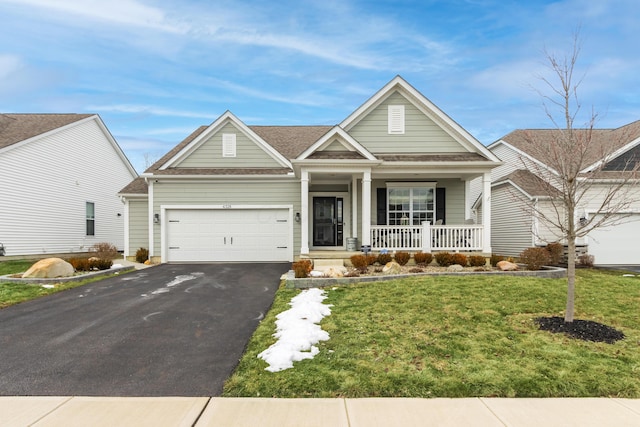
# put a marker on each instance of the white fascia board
(613, 156)
(209, 178)
(337, 131)
(214, 127)
(426, 107)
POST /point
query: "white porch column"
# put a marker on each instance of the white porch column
(304, 215)
(467, 199)
(354, 206)
(486, 211)
(152, 251)
(366, 208)
(426, 236)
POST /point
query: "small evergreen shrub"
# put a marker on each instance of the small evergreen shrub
(402, 258)
(371, 259)
(477, 261)
(444, 259)
(422, 258)
(360, 262)
(460, 259)
(586, 260)
(495, 259)
(556, 253)
(302, 268)
(535, 258)
(142, 255)
(383, 259)
(105, 250)
(100, 264)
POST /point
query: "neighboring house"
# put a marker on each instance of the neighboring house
(60, 175)
(395, 174)
(520, 181)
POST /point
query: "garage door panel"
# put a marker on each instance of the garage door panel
(228, 235)
(616, 244)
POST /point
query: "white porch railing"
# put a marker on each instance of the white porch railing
(428, 237)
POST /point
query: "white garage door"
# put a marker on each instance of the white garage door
(228, 235)
(617, 244)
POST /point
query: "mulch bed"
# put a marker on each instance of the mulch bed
(586, 330)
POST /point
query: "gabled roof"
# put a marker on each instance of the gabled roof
(427, 107)
(16, 128)
(529, 183)
(349, 144)
(604, 142)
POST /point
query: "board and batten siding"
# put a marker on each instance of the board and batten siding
(138, 225)
(46, 183)
(422, 135)
(235, 193)
(511, 226)
(248, 154)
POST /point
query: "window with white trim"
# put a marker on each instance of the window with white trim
(410, 205)
(90, 214)
(396, 119)
(228, 145)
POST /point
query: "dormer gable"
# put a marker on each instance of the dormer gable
(333, 143)
(227, 143)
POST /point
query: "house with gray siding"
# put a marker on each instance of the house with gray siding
(395, 175)
(60, 177)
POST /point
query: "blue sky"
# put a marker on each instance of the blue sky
(156, 70)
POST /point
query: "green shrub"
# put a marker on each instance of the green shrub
(302, 268)
(80, 264)
(556, 253)
(495, 259)
(460, 259)
(422, 258)
(444, 259)
(105, 250)
(402, 258)
(371, 259)
(477, 260)
(360, 262)
(99, 263)
(535, 258)
(142, 255)
(383, 259)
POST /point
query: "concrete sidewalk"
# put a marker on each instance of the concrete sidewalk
(406, 412)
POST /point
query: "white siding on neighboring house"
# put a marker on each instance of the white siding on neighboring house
(46, 184)
(511, 228)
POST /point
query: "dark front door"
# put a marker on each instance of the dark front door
(327, 221)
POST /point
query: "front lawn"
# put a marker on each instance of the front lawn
(457, 337)
(14, 293)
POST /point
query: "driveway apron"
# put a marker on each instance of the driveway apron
(170, 330)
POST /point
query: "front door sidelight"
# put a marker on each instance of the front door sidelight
(328, 221)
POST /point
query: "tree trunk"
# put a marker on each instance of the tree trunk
(571, 280)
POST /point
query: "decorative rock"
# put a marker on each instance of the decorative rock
(49, 268)
(392, 268)
(455, 268)
(335, 272)
(507, 266)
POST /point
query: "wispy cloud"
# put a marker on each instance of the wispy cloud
(145, 109)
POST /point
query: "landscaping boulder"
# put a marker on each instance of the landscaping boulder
(49, 268)
(392, 268)
(455, 268)
(335, 272)
(506, 266)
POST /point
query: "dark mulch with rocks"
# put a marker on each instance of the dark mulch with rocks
(586, 330)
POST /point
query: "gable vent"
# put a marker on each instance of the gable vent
(396, 119)
(228, 145)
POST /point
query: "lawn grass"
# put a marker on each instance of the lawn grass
(457, 336)
(15, 293)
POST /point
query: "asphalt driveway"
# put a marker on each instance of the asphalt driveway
(170, 330)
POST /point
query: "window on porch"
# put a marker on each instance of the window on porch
(410, 205)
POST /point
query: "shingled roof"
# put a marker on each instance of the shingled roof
(15, 128)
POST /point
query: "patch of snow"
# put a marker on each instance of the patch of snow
(316, 273)
(628, 275)
(297, 331)
(117, 266)
(48, 286)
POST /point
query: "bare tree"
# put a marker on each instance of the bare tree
(575, 169)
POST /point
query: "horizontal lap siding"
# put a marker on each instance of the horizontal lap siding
(138, 225)
(421, 133)
(236, 193)
(45, 184)
(510, 224)
(248, 154)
